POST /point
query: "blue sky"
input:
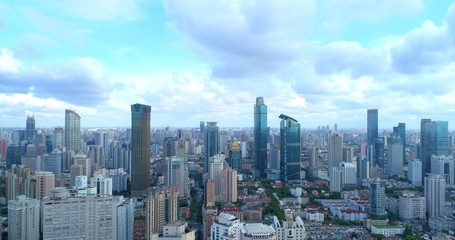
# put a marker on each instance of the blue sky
(321, 62)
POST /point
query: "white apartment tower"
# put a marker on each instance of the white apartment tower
(444, 166)
(411, 207)
(435, 195)
(226, 227)
(415, 172)
(23, 218)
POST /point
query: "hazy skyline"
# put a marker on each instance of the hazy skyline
(320, 62)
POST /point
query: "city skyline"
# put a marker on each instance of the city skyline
(209, 60)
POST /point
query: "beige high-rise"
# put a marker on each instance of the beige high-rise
(45, 183)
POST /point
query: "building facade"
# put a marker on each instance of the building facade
(290, 228)
(372, 126)
(23, 218)
(72, 131)
(290, 149)
(434, 190)
(211, 143)
(261, 134)
(140, 149)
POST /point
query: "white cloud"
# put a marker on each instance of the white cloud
(8, 63)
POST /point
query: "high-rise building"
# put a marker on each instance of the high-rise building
(229, 185)
(415, 172)
(378, 155)
(168, 146)
(45, 183)
(348, 175)
(372, 126)
(209, 194)
(23, 218)
(335, 179)
(177, 176)
(52, 162)
(335, 150)
(235, 157)
(444, 166)
(400, 130)
(30, 128)
(433, 141)
(75, 170)
(348, 154)
(275, 157)
(225, 227)
(103, 184)
(290, 228)
(217, 164)
(411, 206)
(89, 217)
(125, 218)
(434, 189)
(102, 140)
(161, 208)
(394, 156)
(18, 181)
(211, 143)
(140, 149)
(261, 134)
(85, 162)
(72, 131)
(290, 149)
(57, 140)
(377, 197)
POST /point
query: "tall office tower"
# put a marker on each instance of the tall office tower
(415, 172)
(85, 162)
(372, 126)
(96, 155)
(225, 227)
(394, 156)
(217, 163)
(161, 208)
(211, 143)
(224, 139)
(125, 218)
(363, 169)
(140, 149)
(275, 157)
(235, 157)
(168, 146)
(378, 153)
(348, 154)
(102, 139)
(444, 166)
(13, 155)
(75, 170)
(400, 130)
(335, 179)
(45, 183)
(90, 217)
(209, 194)
(177, 176)
(261, 134)
(229, 185)
(411, 207)
(290, 228)
(348, 175)
(103, 184)
(377, 197)
(335, 150)
(52, 162)
(30, 128)
(434, 189)
(290, 149)
(18, 181)
(72, 131)
(202, 126)
(57, 139)
(23, 218)
(433, 141)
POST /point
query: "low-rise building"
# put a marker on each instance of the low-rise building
(290, 228)
(442, 223)
(257, 231)
(387, 230)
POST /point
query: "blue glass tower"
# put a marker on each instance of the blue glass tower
(211, 143)
(290, 149)
(400, 130)
(434, 137)
(372, 126)
(261, 133)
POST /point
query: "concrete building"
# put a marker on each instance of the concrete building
(388, 230)
(23, 218)
(102, 183)
(52, 162)
(75, 170)
(335, 179)
(85, 162)
(377, 197)
(161, 208)
(257, 231)
(444, 166)
(217, 164)
(125, 218)
(90, 217)
(45, 183)
(18, 180)
(415, 172)
(229, 185)
(290, 228)
(348, 175)
(395, 147)
(177, 231)
(335, 150)
(411, 207)
(225, 227)
(209, 195)
(434, 189)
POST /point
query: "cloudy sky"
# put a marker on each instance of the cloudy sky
(321, 62)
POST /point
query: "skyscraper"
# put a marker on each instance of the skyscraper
(433, 141)
(235, 157)
(261, 133)
(377, 197)
(211, 143)
(415, 172)
(444, 166)
(372, 126)
(400, 130)
(434, 188)
(290, 149)
(168, 146)
(45, 183)
(161, 208)
(30, 128)
(140, 149)
(23, 218)
(72, 131)
(394, 156)
(335, 151)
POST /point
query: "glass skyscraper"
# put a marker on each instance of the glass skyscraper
(434, 137)
(30, 128)
(261, 133)
(290, 149)
(140, 149)
(400, 130)
(372, 126)
(211, 143)
(72, 131)
(235, 157)
(377, 198)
